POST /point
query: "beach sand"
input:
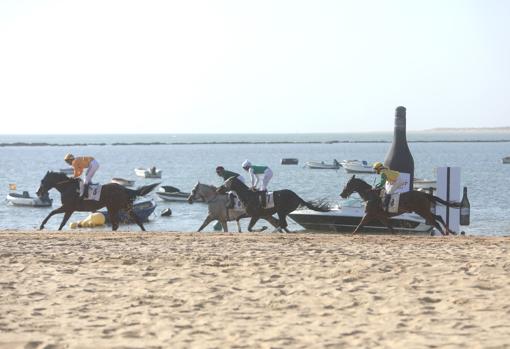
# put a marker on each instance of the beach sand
(176, 290)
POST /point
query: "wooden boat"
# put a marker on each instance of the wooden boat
(321, 165)
(123, 182)
(152, 172)
(506, 160)
(169, 193)
(357, 166)
(289, 161)
(25, 199)
(345, 218)
(142, 210)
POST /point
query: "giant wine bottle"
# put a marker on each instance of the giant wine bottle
(399, 157)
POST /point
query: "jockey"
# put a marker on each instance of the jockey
(225, 174)
(79, 164)
(255, 173)
(390, 180)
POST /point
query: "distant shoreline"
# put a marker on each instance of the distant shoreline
(45, 144)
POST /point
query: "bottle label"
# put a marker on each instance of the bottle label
(464, 211)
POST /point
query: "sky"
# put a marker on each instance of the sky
(260, 66)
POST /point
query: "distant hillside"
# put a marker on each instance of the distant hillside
(473, 129)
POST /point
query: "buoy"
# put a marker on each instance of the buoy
(166, 212)
(93, 220)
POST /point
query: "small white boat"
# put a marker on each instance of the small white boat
(169, 193)
(345, 218)
(123, 182)
(26, 200)
(152, 172)
(421, 183)
(67, 170)
(506, 160)
(321, 165)
(357, 166)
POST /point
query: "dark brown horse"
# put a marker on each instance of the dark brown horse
(285, 201)
(411, 201)
(113, 196)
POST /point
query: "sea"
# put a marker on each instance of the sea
(186, 159)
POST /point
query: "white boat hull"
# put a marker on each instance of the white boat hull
(148, 173)
(345, 220)
(20, 200)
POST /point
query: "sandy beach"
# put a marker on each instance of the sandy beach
(175, 290)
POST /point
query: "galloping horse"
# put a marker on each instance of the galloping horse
(217, 205)
(285, 201)
(411, 201)
(114, 196)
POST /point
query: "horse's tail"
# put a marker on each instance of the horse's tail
(319, 205)
(142, 191)
(443, 202)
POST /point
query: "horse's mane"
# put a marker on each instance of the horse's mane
(58, 175)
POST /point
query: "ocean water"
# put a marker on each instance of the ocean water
(184, 161)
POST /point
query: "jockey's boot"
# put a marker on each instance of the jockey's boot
(85, 192)
(230, 202)
(386, 203)
(263, 198)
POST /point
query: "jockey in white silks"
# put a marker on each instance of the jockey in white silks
(259, 175)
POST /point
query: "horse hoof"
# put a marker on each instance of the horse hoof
(263, 228)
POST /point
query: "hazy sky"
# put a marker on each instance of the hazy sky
(252, 66)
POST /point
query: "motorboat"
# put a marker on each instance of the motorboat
(422, 183)
(321, 165)
(142, 210)
(344, 219)
(357, 166)
(67, 170)
(152, 172)
(123, 182)
(506, 160)
(169, 193)
(25, 199)
(289, 161)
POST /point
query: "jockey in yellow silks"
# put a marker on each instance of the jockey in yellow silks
(390, 180)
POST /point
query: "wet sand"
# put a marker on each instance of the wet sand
(179, 290)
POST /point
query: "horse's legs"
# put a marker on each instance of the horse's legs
(432, 220)
(114, 213)
(135, 218)
(224, 225)
(440, 220)
(384, 219)
(253, 220)
(55, 211)
(282, 220)
(67, 215)
(366, 218)
(207, 220)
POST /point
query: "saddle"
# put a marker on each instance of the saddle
(93, 192)
(265, 199)
(391, 203)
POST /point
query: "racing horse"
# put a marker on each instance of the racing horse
(113, 196)
(285, 201)
(217, 207)
(411, 201)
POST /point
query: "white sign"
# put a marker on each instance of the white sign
(448, 188)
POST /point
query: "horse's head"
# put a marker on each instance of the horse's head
(51, 180)
(354, 185)
(202, 192)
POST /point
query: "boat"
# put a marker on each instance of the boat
(152, 172)
(357, 166)
(289, 161)
(506, 160)
(169, 193)
(25, 199)
(67, 170)
(123, 182)
(345, 218)
(321, 165)
(142, 210)
(421, 183)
